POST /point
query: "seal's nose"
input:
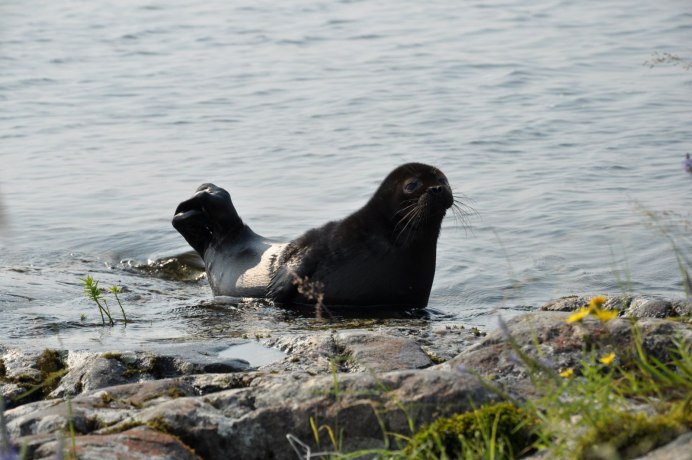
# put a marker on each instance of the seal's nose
(437, 189)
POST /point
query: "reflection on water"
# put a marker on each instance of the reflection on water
(259, 354)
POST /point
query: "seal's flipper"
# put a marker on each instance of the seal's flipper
(206, 217)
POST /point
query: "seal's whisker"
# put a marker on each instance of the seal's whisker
(411, 219)
(408, 204)
(461, 211)
(464, 207)
(407, 217)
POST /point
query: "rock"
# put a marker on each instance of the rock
(381, 353)
(630, 306)
(363, 384)
(104, 408)
(648, 307)
(682, 308)
(28, 376)
(251, 421)
(90, 371)
(561, 345)
(139, 443)
(380, 349)
(304, 353)
(680, 449)
(567, 303)
(20, 365)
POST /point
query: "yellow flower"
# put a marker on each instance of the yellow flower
(607, 359)
(605, 315)
(579, 315)
(567, 373)
(597, 302)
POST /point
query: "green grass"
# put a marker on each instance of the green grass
(92, 291)
(491, 432)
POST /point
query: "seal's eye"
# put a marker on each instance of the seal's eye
(412, 185)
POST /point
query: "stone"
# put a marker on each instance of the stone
(90, 371)
(186, 400)
(627, 305)
(648, 307)
(253, 423)
(251, 419)
(380, 352)
(311, 353)
(139, 443)
(680, 449)
(557, 345)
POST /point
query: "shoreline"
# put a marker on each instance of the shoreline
(188, 399)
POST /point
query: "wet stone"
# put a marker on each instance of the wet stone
(644, 307)
(627, 305)
(380, 353)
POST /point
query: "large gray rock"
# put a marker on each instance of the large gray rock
(253, 423)
(250, 418)
(555, 344)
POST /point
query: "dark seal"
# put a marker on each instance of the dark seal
(381, 255)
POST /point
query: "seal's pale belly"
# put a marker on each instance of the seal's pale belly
(259, 276)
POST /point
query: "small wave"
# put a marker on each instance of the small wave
(185, 267)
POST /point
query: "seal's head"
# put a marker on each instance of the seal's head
(413, 199)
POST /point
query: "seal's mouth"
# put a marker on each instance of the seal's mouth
(188, 209)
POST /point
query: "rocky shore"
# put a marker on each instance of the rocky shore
(363, 386)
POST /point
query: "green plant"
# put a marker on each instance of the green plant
(592, 405)
(495, 431)
(115, 290)
(51, 367)
(92, 291)
(628, 435)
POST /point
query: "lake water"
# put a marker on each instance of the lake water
(542, 114)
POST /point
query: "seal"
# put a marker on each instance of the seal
(381, 255)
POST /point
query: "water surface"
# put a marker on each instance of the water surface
(541, 114)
